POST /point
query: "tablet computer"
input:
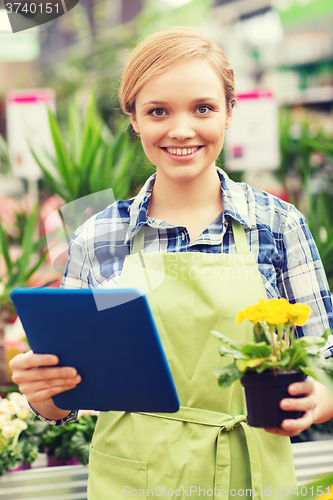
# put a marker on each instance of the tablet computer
(110, 337)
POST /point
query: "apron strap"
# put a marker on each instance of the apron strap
(240, 237)
(139, 240)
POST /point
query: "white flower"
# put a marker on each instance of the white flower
(24, 413)
(19, 399)
(17, 403)
(8, 431)
(19, 424)
(3, 420)
(6, 407)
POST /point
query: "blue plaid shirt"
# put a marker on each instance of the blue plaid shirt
(277, 233)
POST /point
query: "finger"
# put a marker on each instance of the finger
(40, 385)
(293, 427)
(298, 404)
(29, 359)
(299, 388)
(46, 394)
(19, 377)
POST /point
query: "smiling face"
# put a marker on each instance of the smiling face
(181, 117)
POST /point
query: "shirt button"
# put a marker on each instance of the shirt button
(183, 236)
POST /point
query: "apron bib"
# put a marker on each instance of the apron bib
(206, 446)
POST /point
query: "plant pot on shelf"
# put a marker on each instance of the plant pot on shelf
(263, 393)
(56, 462)
(20, 467)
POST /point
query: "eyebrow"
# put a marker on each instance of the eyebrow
(163, 103)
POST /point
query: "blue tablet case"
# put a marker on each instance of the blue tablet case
(116, 349)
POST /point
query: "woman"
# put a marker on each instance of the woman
(224, 246)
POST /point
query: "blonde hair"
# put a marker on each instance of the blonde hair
(160, 51)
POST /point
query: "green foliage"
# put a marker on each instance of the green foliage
(69, 440)
(24, 450)
(89, 158)
(283, 355)
(33, 254)
(319, 216)
(307, 153)
(227, 375)
(4, 156)
(297, 146)
(8, 460)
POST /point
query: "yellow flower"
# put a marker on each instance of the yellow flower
(253, 313)
(328, 494)
(299, 313)
(276, 311)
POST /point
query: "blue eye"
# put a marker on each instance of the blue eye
(157, 112)
(203, 110)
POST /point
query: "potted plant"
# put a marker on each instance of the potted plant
(20, 433)
(274, 359)
(68, 444)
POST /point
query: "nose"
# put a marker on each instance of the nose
(181, 128)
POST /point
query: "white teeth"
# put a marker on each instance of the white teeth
(182, 152)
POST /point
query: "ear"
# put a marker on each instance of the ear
(228, 119)
(134, 123)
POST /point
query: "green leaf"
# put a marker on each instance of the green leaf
(31, 271)
(63, 161)
(55, 186)
(227, 375)
(226, 340)
(244, 364)
(327, 333)
(233, 353)
(258, 329)
(75, 130)
(260, 350)
(311, 341)
(27, 245)
(4, 247)
(91, 120)
(80, 447)
(320, 375)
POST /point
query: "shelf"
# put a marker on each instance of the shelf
(306, 64)
(319, 95)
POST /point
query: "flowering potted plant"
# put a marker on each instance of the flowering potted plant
(20, 433)
(274, 359)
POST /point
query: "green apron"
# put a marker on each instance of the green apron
(206, 448)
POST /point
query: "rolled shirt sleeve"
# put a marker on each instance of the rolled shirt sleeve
(302, 277)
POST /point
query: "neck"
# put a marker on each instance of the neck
(185, 196)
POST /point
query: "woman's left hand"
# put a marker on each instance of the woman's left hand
(310, 404)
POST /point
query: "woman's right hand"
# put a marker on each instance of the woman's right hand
(38, 377)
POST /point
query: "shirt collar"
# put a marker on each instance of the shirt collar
(235, 200)
(235, 204)
(138, 209)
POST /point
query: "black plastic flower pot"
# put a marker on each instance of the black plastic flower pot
(263, 393)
